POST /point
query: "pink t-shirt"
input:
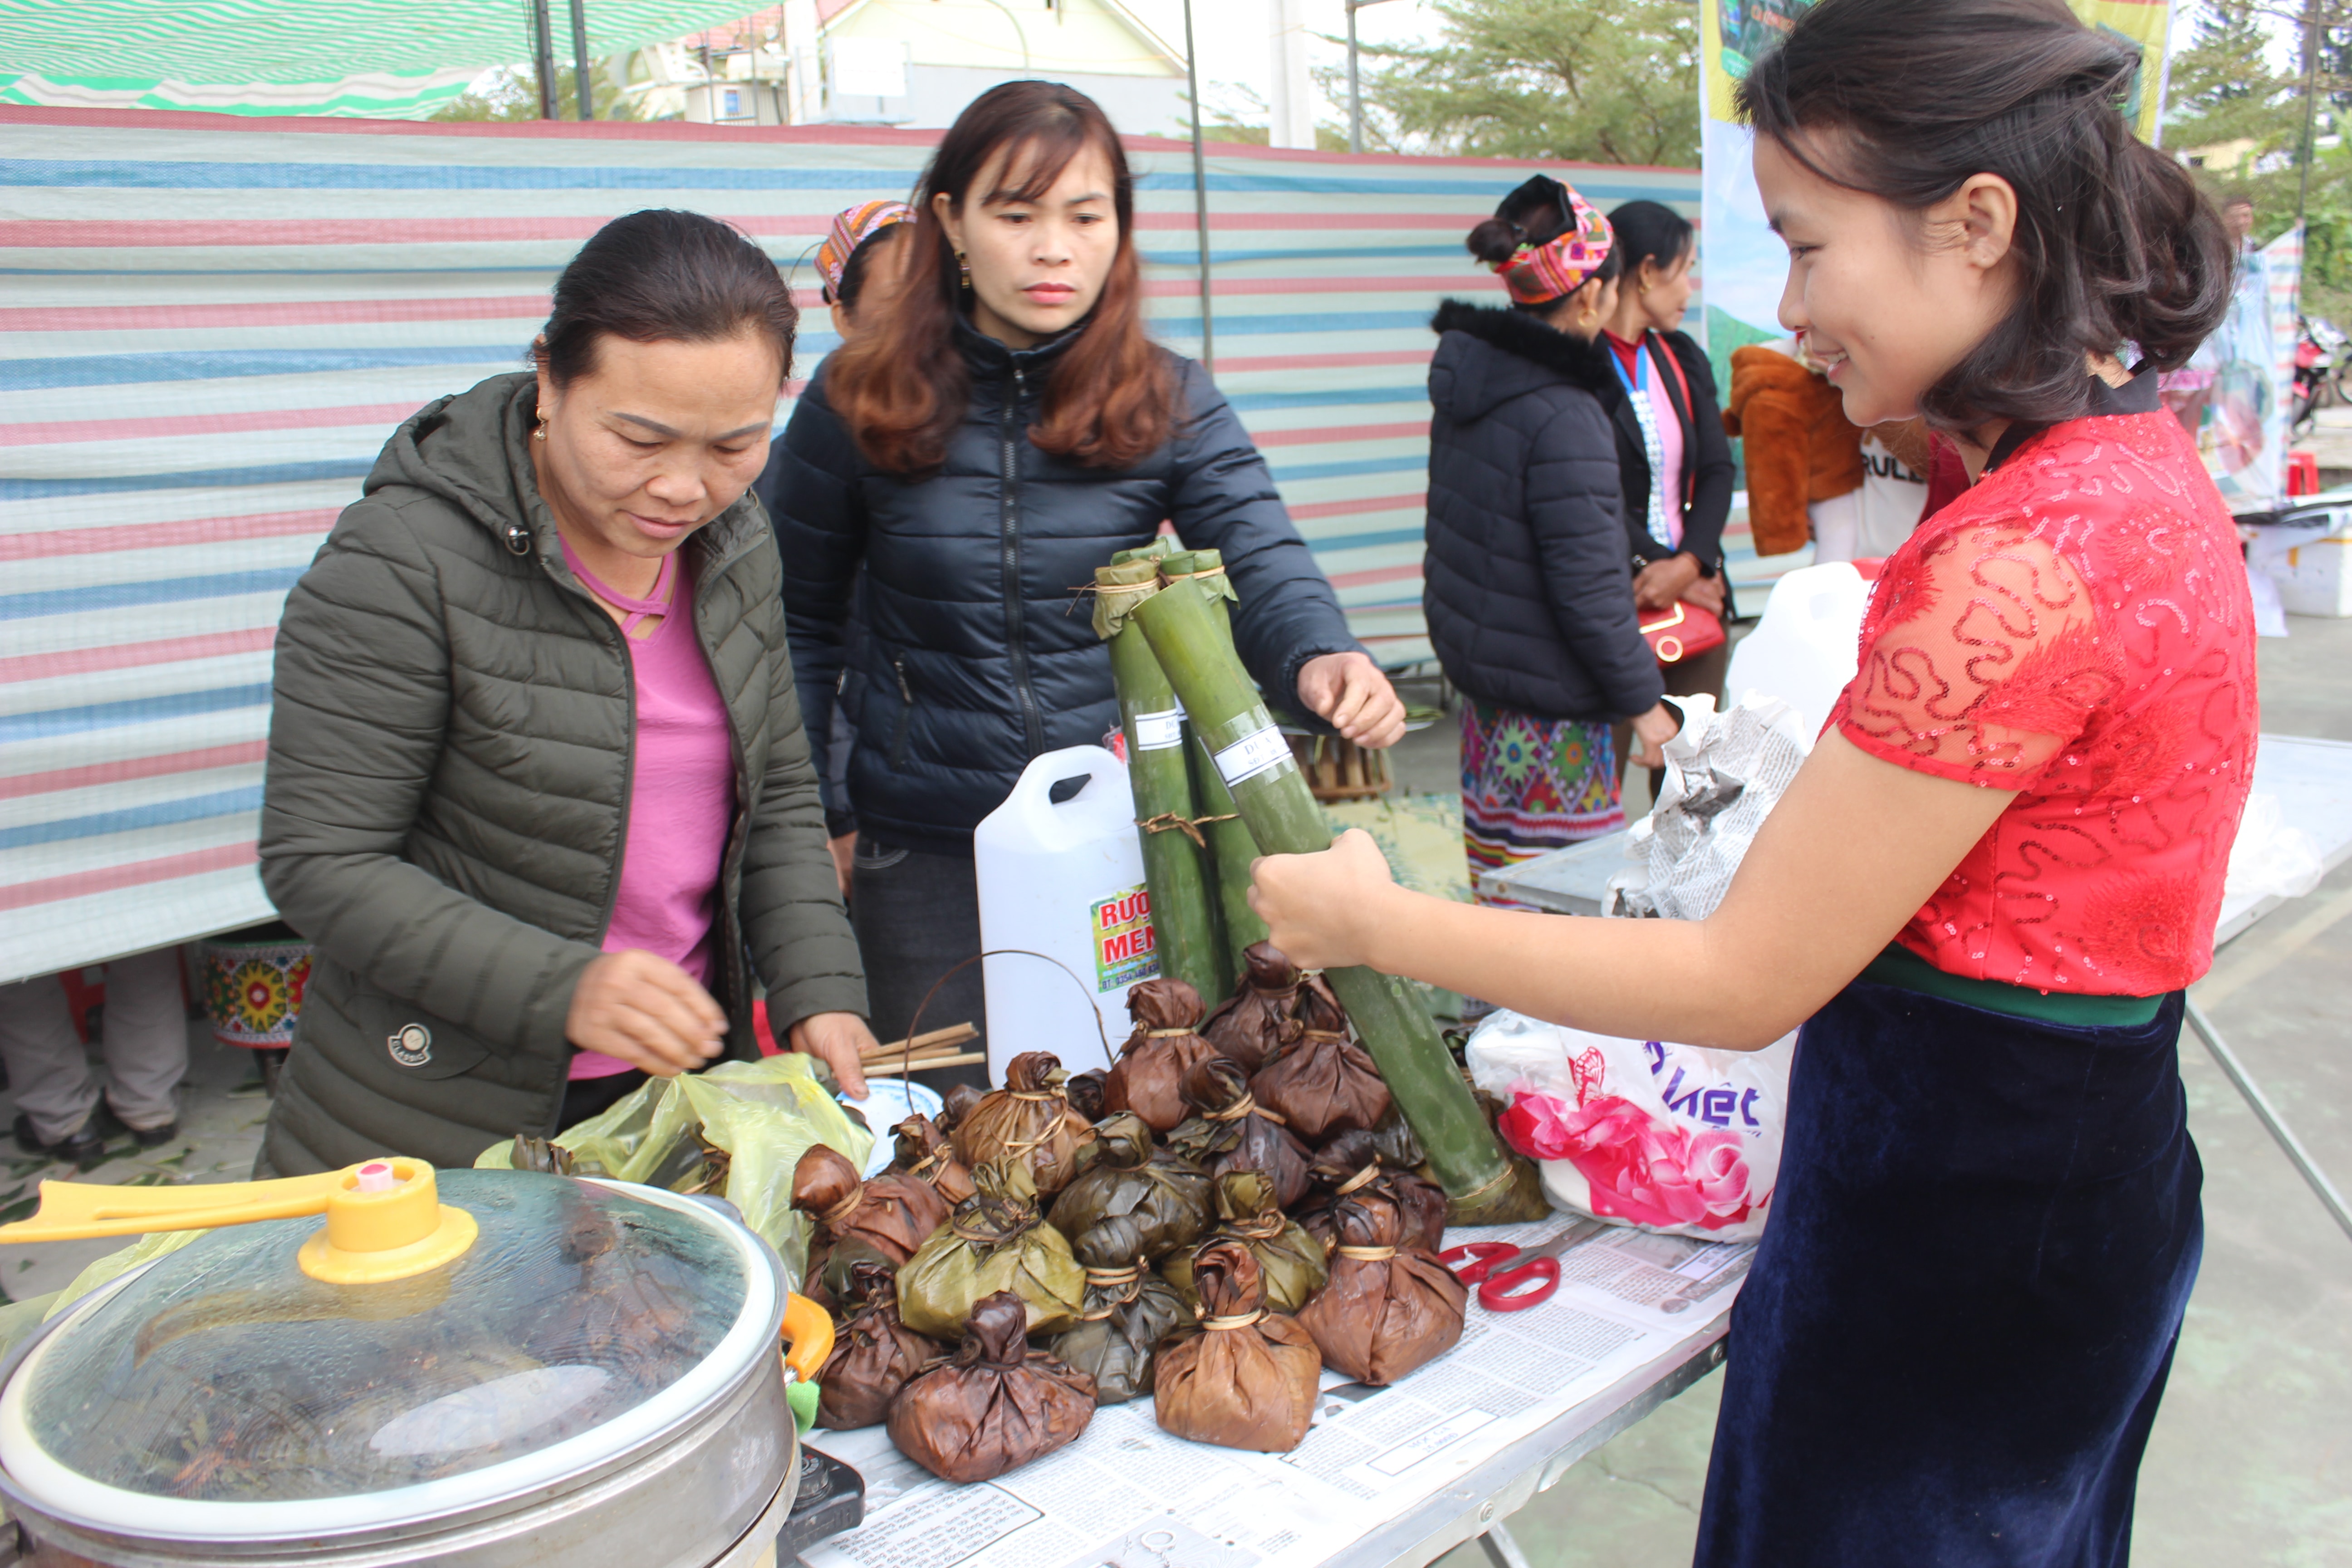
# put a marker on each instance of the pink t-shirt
(681, 808)
(1662, 413)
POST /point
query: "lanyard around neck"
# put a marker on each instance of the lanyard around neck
(1636, 382)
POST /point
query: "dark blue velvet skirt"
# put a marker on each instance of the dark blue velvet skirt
(1964, 1308)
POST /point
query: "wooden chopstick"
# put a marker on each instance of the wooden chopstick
(935, 1039)
(924, 1064)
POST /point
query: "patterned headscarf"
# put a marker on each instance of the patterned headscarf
(1539, 274)
(850, 230)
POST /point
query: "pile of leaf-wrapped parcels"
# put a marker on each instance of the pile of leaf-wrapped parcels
(1228, 1210)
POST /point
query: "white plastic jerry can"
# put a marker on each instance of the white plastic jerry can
(1061, 874)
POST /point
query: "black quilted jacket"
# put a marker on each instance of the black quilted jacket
(1527, 585)
(976, 655)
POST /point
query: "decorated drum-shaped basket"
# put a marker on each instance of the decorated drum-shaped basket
(253, 989)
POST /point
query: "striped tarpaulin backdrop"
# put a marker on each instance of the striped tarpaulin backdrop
(211, 325)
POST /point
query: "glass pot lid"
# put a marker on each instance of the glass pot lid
(225, 1392)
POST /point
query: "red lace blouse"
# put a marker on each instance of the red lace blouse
(2076, 627)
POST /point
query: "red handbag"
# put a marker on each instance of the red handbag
(1686, 631)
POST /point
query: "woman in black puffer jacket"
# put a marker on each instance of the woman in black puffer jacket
(1528, 589)
(999, 426)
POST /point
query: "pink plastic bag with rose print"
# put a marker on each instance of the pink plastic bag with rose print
(1669, 1138)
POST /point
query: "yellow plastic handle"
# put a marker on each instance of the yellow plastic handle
(808, 1337)
(385, 1218)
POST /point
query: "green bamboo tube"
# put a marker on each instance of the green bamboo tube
(1196, 648)
(1192, 945)
(1230, 843)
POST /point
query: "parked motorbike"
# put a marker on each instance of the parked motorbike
(2323, 360)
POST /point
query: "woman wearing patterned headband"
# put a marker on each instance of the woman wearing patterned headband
(1527, 589)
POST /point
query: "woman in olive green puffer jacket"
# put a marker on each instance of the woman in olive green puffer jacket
(454, 731)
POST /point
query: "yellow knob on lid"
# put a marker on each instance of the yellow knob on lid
(385, 1221)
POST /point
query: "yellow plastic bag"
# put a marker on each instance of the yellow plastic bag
(765, 1114)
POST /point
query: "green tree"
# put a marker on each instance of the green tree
(2240, 124)
(1584, 80)
(511, 92)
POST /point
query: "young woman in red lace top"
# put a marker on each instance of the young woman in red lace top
(1989, 885)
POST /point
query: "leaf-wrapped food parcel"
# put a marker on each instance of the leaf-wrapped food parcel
(1353, 1163)
(1086, 1092)
(1029, 1120)
(833, 1270)
(1128, 1311)
(896, 1212)
(873, 1354)
(1291, 1265)
(920, 1150)
(1244, 1377)
(1166, 1195)
(1251, 1023)
(1230, 1130)
(994, 1241)
(1321, 1082)
(1148, 1077)
(1388, 1308)
(996, 1407)
(957, 1104)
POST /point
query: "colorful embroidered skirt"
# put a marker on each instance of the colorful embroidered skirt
(1532, 785)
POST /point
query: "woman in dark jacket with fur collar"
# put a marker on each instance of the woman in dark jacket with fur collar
(1527, 585)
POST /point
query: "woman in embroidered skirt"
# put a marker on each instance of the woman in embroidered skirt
(1528, 589)
(1984, 893)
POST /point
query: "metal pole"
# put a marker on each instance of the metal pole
(2310, 100)
(1201, 196)
(1355, 88)
(580, 59)
(2329, 1198)
(542, 59)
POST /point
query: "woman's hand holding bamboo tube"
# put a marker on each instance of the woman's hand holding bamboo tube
(1848, 857)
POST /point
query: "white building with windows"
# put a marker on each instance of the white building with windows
(910, 63)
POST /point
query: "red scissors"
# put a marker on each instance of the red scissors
(1503, 1272)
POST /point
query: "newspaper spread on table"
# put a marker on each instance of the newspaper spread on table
(1129, 1494)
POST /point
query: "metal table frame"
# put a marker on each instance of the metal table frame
(1475, 1506)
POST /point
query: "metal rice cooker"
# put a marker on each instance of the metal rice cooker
(468, 1370)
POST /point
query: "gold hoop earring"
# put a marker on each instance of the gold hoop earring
(540, 433)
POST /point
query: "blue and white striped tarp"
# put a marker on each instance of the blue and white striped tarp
(211, 325)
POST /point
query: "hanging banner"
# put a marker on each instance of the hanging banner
(1745, 262)
(2236, 397)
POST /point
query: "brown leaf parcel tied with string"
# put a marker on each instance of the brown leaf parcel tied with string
(994, 1241)
(1185, 624)
(956, 1104)
(996, 1405)
(1086, 1092)
(873, 1354)
(896, 1212)
(1028, 1120)
(1388, 1307)
(1291, 1263)
(1321, 1083)
(920, 1150)
(1230, 1130)
(1249, 1024)
(1166, 1195)
(1353, 1163)
(1148, 1076)
(1128, 1311)
(1243, 1376)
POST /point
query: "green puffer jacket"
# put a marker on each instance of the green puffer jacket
(448, 794)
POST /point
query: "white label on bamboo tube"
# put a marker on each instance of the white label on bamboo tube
(1160, 731)
(1251, 755)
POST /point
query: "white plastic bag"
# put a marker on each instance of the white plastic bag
(2270, 859)
(1669, 1138)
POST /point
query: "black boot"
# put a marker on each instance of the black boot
(82, 1147)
